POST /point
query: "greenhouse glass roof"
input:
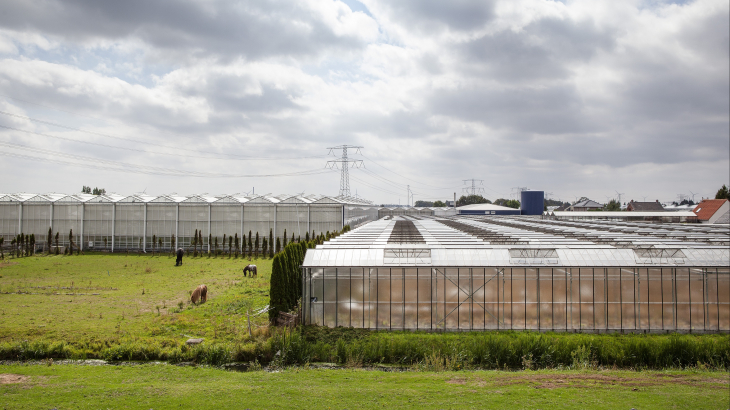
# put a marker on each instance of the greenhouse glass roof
(485, 241)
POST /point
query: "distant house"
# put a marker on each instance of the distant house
(644, 206)
(711, 211)
(586, 205)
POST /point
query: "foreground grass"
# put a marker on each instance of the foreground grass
(161, 386)
(97, 297)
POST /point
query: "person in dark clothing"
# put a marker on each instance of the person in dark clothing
(178, 262)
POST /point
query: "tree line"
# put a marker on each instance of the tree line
(285, 289)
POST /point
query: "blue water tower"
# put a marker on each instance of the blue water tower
(532, 202)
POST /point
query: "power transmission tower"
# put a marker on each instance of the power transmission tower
(474, 188)
(693, 196)
(345, 170)
(518, 189)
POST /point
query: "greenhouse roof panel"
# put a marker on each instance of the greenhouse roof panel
(477, 241)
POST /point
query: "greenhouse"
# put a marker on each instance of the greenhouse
(119, 223)
(521, 273)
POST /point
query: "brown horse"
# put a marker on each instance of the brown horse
(200, 293)
(250, 268)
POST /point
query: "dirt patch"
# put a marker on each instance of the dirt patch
(456, 381)
(6, 264)
(6, 378)
(546, 381)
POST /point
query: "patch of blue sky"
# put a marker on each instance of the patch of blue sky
(130, 67)
(356, 6)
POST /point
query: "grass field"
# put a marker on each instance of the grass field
(97, 297)
(159, 386)
(124, 308)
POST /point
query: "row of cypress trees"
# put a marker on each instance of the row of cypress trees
(285, 289)
(286, 286)
(22, 245)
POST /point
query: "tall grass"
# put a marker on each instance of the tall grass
(450, 351)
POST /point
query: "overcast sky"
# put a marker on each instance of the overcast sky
(576, 98)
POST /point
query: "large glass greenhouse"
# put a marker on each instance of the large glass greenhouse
(521, 273)
(116, 223)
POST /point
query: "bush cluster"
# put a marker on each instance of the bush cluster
(426, 351)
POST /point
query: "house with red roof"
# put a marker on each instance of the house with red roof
(709, 211)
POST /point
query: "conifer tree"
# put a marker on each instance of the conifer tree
(285, 239)
(276, 289)
(306, 237)
(271, 243)
(210, 241)
(57, 251)
(215, 251)
(2, 254)
(49, 239)
(256, 245)
(230, 245)
(194, 243)
(243, 246)
(154, 243)
(172, 243)
(250, 245)
(236, 244)
(292, 237)
(278, 245)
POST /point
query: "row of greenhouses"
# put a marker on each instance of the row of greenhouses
(115, 222)
(467, 273)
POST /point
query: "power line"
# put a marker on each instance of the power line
(136, 168)
(218, 155)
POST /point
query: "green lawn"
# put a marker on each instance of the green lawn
(97, 297)
(160, 386)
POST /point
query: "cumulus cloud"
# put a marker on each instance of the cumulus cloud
(571, 97)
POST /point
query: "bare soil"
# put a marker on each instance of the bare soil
(547, 381)
(6, 378)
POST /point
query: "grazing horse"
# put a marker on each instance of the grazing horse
(250, 268)
(178, 261)
(200, 293)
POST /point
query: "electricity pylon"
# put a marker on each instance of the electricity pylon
(474, 188)
(345, 170)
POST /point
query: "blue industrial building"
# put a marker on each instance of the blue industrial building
(532, 202)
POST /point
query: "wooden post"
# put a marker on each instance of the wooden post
(248, 318)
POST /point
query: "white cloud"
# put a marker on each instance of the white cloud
(563, 96)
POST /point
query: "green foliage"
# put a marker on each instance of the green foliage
(722, 193)
(277, 287)
(96, 191)
(439, 204)
(509, 203)
(613, 205)
(423, 204)
(271, 243)
(472, 199)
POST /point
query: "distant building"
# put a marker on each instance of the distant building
(644, 206)
(586, 205)
(711, 211)
(486, 209)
